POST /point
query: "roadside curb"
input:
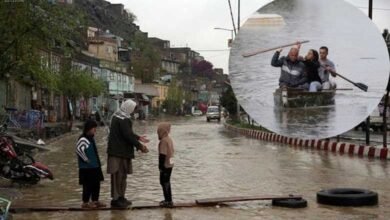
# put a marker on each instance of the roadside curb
(331, 146)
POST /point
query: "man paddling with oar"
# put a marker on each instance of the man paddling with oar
(327, 68)
(292, 70)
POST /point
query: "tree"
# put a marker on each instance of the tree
(27, 27)
(202, 68)
(147, 61)
(174, 99)
(75, 83)
(229, 101)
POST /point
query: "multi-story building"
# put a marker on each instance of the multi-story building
(169, 64)
(162, 96)
(114, 57)
(113, 74)
(102, 46)
(185, 56)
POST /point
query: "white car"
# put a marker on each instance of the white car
(213, 112)
(197, 113)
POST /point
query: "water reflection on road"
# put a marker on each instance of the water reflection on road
(211, 161)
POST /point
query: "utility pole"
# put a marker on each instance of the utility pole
(385, 115)
(231, 14)
(239, 14)
(370, 9)
(368, 118)
(235, 34)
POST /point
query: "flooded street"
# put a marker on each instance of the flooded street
(358, 55)
(212, 162)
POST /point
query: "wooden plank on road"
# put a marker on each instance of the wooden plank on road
(157, 205)
(21, 209)
(153, 205)
(243, 198)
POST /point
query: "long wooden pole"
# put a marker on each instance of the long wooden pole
(249, 54)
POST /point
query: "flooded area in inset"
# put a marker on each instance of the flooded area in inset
(213, 162)
(355, 45)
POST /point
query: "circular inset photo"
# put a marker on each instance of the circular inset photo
(308, 68)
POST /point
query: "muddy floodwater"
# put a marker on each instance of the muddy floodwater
(355, 44)
(213, 162)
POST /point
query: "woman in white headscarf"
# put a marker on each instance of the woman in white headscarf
(121, 143)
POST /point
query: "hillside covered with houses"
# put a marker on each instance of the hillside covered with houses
(71, 58)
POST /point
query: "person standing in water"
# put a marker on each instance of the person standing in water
(121, 143)
(90, 171)
(165, 162)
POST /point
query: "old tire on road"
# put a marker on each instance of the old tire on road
(290, 203)
(347, 197)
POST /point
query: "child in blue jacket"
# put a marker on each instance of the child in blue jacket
(90, 172)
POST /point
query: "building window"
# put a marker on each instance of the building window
(109, 49)
(44, 60)
(104, 74)
(55, 63)
(112, 76)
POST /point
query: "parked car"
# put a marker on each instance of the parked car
(197, 112)
(213, 112)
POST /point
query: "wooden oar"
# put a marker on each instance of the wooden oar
(249, 54)
(361, 86)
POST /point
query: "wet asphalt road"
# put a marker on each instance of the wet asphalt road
(213, 162)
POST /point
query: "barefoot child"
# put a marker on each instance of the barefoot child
(90, 172)
(165, 162)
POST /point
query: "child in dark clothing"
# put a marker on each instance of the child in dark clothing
(90, 172)
(165, 162)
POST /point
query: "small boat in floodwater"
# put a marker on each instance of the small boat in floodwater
(299, 98)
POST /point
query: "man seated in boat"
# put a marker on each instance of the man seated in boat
(292, 69)
(327, 68)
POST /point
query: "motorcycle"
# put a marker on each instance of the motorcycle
(20, 168)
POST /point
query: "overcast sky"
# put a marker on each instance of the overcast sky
(191, 22)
